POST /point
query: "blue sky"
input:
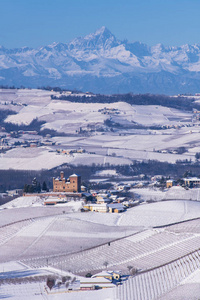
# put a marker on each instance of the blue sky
(36, 23)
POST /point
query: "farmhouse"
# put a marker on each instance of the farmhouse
(96, 283)
(192, 182)
(103, 207)
(72, 184)
(115, 207)
(54, 200)
(169, 183)
(97, 207)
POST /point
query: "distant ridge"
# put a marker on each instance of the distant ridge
(101, 63)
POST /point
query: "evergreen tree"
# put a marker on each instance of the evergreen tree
(30, 189)
(38, 189)
(34, 184)
(44, 186)
(25, 188)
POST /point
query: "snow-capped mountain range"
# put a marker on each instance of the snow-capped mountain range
(101, 63)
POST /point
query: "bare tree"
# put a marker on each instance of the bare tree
(50, 282)
(130, 268)
(134, 271)
(105, 264)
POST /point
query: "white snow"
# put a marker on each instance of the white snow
(23, 202)
(106, 173)
(122, 146)
(173, 193)
(31, 159)
(160, 213)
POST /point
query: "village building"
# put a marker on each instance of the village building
(102, 280)
(192, 182)
(100, 196)
(102, 200)
(170, 183)
(116, 208)
(103, 208)
(54, 200)
(121, 199)
(96, 283)
(97, 207)
(71, 185)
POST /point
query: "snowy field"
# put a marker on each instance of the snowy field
(79, 242)
(120, 146)
(178, 280)
(35, 240)
(31, 159)
(160, 213)
(173, 193)
(148, 215)
(36, 291)
(33, 236)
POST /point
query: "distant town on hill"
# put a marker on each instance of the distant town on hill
(44, 129)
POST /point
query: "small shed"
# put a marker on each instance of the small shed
(116, 207)
(96, 282)
(169, 183)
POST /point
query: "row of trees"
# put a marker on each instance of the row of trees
(35, 187)
(15, 179)
(182, 103)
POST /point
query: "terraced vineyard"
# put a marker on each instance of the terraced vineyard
(145, 250)
(163, 256)
(152, 284)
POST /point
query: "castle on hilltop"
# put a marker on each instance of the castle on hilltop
(71, 185)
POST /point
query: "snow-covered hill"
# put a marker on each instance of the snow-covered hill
(101, 63)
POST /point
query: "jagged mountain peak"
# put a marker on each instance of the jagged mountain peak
(56, 47)
(102, 37)
(101, 63)
(103, 31)
(137, 48)
(158, 48)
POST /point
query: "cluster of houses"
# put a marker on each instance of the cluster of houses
(159, 180)
(70, 152)
(24, 139)
(190, 182)
(109, 111)
(114, 200)
(104, 201)
(66, 189)
(108, 201)
(102, 280)
(176, 126)
(196, 115)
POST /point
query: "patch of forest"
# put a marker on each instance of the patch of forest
(182, 103)
(13, 179)
(34, 125)
(4, 113)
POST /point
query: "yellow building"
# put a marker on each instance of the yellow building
(192, 182)
(97, 207)
(169, 183)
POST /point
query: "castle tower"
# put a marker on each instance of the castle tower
(72, 184)
(61, 175)
(75, 182)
